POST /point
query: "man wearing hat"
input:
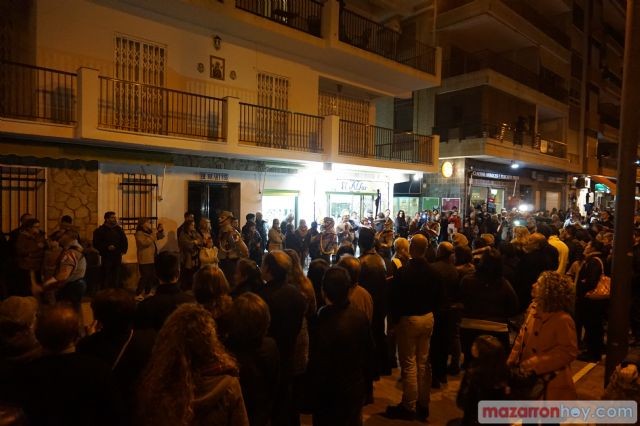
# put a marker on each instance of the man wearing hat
(231, 247)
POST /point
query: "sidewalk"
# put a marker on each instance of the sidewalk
(589, 379)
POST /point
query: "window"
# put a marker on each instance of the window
(23, 191)
(347, 108)
(139, 198)
(140, 105)
(272, 124)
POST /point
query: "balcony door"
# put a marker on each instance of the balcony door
(139, 98)
(272, 121)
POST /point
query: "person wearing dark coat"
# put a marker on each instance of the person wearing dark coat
(446, 332)
(414, 297)
(590, 313)
(539, 256)
(339, 357)
(488, 301)
(401, 225)
(110, 240)
(64, 387)
(125, 350)
(153, 311)
(287, 307)
(257, 356)
(373, 278)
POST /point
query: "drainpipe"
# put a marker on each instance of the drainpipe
(620, 304)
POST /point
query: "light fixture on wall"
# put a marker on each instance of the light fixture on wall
(217, 42)
(515, 165)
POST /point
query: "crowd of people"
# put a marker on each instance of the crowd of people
(257, 325)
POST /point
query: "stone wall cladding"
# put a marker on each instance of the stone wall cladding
(73, 192)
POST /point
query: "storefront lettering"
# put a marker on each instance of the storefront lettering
(491, 175)
(216, 177)
(353, 186)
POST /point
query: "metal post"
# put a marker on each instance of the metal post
(617, 337)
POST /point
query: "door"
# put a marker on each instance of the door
(208, 199)
(341, 202)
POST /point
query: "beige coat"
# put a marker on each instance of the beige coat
(146, 246)
(547, 343)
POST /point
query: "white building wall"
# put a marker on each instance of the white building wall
(88, 40)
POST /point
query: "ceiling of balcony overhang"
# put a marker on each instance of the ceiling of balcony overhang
(484, 30)
(382, 10)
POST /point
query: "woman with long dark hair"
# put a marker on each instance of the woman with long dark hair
(401, 225)
(191, 379)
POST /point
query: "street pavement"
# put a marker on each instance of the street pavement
(589, 380)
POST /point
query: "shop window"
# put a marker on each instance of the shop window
(139, 198)
(22, 190)
(279, 205)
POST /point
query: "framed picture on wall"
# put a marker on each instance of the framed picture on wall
(449, 203)
(216, 68)
(430, 203)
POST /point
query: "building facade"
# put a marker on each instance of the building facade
(154, 108)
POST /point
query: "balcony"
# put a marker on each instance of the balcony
(142, 108)
(523, 9)
(113, 112)
(302, 15)
(507, 24)
(274, 128)
(37, 94)
(462, 63)
(363, 140)
(373, 37)
(504, 134)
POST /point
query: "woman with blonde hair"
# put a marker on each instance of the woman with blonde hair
(191, 379)
(546, 343)
(520, 238)
(211, 290)
(275, 237)
(401, 255)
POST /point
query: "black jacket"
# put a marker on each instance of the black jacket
(152, 312)
(415, 290)
(287, 306)
(105, 236)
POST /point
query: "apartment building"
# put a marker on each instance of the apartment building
(152, 108)
(503, 109)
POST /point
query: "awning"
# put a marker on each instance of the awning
(605, 181)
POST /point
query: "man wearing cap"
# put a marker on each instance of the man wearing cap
(231, 247)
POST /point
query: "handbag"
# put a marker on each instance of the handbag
(603, 288)
(527, 385)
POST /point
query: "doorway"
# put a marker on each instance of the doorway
(208, 199)
(278, 205)
(338, 202)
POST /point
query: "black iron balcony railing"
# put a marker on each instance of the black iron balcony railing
(373, 37)
(302, 15)
(462, 62)
(274, 128)
(379, 143)
(34, 93)
(612, 78)
(502, 132)
(143, 108)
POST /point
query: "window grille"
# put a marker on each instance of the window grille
(350, 109)
(139, 198)
(272, 125)
(273, 91)
(23, 190)
(140, 106)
